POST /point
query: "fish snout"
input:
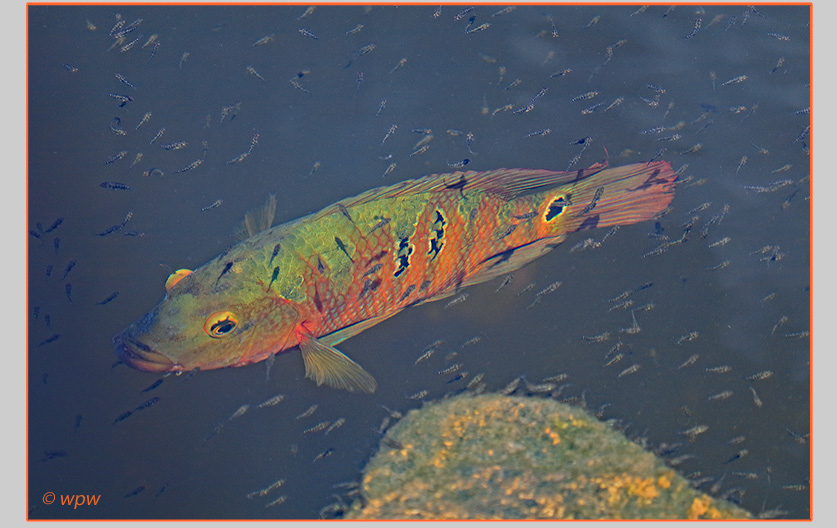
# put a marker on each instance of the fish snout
(140, 356)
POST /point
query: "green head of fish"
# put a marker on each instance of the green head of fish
(217, 316)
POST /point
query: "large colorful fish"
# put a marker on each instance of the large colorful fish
(323, 278)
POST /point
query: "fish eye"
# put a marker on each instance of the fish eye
(220, 324)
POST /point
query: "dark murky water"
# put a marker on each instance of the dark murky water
(321, 108)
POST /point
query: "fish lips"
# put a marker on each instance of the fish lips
(140, 356)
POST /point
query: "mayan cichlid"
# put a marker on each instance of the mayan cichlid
(319, 280)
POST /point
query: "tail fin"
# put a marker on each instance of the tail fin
(618, 196)
(584, 199)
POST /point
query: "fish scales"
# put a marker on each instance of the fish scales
(364, 259)
(443, 243)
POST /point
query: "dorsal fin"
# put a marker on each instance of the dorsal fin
(513, 183)
(508, 183)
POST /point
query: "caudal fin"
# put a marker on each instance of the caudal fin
(620, 196)
(584, 199)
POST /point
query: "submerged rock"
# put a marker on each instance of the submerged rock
(502, 457)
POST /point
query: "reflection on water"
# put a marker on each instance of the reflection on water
(699, 319)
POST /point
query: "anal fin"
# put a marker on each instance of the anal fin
(512, 259)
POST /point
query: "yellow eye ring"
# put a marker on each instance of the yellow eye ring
(220, 324)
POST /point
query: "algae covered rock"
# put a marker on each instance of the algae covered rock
(502, 457)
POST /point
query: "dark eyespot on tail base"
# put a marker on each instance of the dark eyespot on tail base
(556, 208)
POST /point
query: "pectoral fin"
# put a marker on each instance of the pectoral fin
(258, 219)
(326, 364)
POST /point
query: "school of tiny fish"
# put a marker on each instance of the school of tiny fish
(667, 322)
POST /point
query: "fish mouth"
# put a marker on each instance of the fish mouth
(140, 356)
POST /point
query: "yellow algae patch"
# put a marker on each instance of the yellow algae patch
(643, 489)
(556, 439)
(502, 457)
(698, 508)
(702, 508)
